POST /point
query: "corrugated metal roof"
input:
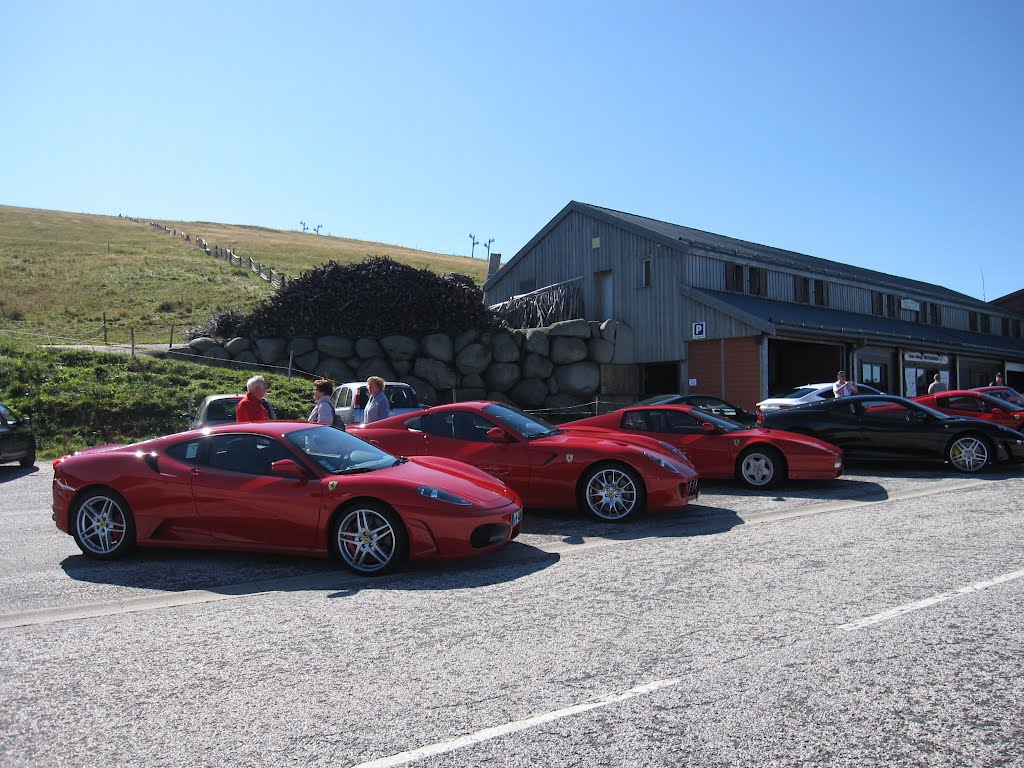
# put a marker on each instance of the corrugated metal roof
(824, 267)
(853, 325)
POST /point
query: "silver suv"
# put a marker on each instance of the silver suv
(350, 399)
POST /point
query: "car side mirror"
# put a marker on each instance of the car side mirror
(917, 417)
(288, 467)
(708, 428)
(498, 435)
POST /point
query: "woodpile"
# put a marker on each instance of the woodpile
(375, 298)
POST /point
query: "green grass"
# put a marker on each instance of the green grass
(82, 398)
(61, 272)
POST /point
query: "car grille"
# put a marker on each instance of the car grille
(690, 490)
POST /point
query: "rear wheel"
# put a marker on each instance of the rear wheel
(612, 492)
(103, 525)
(29, 458)
(969, 453)
(370, 538)
(760, 467)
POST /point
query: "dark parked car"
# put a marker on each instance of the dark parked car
(897, 430)
(715, 405)
(17, 441)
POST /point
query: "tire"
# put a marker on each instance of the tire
(29, 458)
(611, 492)
(760, 466)
(369, 538)
(969, 453)
(103, 525)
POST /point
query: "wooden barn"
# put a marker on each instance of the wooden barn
(716, 315)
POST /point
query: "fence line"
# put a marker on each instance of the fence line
(276, 279)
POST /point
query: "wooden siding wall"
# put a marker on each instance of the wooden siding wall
(741, 374)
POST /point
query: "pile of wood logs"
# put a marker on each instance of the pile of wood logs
(375, 298)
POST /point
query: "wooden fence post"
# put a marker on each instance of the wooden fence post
(133, 341)
(170, 342)
(105, 328)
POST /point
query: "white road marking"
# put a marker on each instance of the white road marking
(930, 601)
(412, 755)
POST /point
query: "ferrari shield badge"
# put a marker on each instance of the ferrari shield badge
(568, 457)
(332, 485)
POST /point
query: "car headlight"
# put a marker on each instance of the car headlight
(663, 463)
(436, 493)
(672, 449)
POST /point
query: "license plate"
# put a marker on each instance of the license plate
(517, 517)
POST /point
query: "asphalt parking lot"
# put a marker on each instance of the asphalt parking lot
(865, 621)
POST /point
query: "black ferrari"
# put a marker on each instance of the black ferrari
(894, 429)
(709, 403)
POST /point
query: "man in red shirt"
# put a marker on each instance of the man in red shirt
(250, 407)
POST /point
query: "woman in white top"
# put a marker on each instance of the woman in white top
(323, 411)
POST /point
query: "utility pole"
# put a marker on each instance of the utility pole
(474, 241)
(487, 245)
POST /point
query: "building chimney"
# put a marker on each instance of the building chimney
(494, 264)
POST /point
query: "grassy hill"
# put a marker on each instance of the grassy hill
(60, 272)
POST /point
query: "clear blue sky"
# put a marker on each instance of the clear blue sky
(885, 134)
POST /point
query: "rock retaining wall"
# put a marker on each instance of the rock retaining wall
(553, 367)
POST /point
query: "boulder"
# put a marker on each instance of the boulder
(529, 393)
(537, 366)
(595, 329)
(300, 345)
(245, 356)
(202, 343)
(501, 377)
(625, 345)
(375, 366)
(499, 397)
(579, 379)
(238, 345)
(601, 350)
(368, 349)
(505, 348)
(608, 329)
(425, 393)
(335, 346)
(308, 361)
(473, 381)
(438, 346)
(473, 359)
(217, 353)
(400, 347)
(464, 339)
(334, 369)
(562, 401)
(568, 349)
(402, 367)
(439, 375)
(270, 350)
(578, 328)
(537, 341)
(471, 393)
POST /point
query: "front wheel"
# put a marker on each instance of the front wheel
(370, 539)
(969, 453)
(612, 492)
(103, 525)
(760, 467)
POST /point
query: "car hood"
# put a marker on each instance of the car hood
(463, 480)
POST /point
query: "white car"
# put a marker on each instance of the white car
(350, 399)
(809, 393)
(219, 409)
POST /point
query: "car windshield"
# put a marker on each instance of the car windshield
(529, 427)
(1008, 395)
(338, 452)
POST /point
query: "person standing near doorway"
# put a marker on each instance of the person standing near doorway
(937, 385)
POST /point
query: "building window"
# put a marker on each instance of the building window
(986, 324)
(1016, 329)
(877, 303)
(973, 321)
(821, 293)
(802, 289)
(890, 305)
(922, 313)
(645, 273)
(734, 278)
(757, 282)
(874, 375)
(935, 310)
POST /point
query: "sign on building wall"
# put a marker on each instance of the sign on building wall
(700, 330)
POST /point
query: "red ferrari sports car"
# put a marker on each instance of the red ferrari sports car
(277, 486)
(720, 448)
(608, 474)
(977, 405)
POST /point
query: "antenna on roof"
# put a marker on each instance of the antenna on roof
(982, 284)
(473, 249)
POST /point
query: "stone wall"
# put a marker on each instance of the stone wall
(553, 367)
